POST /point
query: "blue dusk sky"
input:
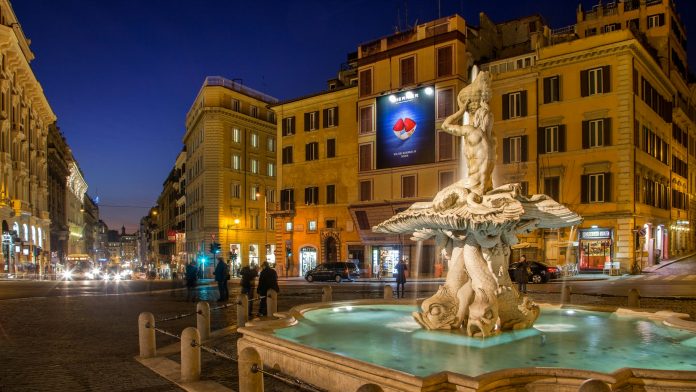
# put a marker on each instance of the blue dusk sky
(121, 74)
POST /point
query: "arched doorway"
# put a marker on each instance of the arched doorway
(331, 249)
(308, 259)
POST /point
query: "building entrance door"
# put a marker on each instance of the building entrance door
(331, 250)
(308, 259)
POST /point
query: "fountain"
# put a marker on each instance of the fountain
(477, 332)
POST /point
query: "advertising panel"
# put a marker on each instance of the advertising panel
(406, 128)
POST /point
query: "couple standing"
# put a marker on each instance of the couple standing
(268, 280)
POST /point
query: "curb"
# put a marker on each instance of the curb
(654, 268)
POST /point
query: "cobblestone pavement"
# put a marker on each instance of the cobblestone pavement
(88, 343)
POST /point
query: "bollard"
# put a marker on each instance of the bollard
(248, 365)
(388, 292)
(593, 385)
(203, 319)
(566, 291)
(633, 298)
(190, 355)
(146, 335)
(242, 310)
(326, 294)
(271, 302)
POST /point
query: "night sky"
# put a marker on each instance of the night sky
(121, 74)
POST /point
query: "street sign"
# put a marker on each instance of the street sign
(641, 232)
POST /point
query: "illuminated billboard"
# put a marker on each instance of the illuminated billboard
(406, 128)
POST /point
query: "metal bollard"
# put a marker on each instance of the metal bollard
(388, 292)
(633, 298)
(326, 294)
(594, 385)
(190, 355)
(271, 302)
(146, 335)
(248, 365)
(203, 319)
(242, 310)
(566, 291)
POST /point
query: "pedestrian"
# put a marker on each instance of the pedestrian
(191, 278)
(247, 282)
(522, 274)
(221, 277)
(268, 280)
(401, 269)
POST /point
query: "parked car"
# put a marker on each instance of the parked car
(541, 273)
(337, 271)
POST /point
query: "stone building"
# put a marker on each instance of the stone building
(171, 217)
(317, 135)
(74, 201)
(230, 172)
(59, 156)
(25, 116)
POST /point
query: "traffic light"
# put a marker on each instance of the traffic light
(214, 248)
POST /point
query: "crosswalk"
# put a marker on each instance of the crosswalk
(666, 278)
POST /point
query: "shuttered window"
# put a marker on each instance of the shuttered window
(595, 188)
(552, 139)
(330, 148)
(445, 103)
(515, 105)
(366, 123)
(444, 61)
(408, 186)
(552, 89)
(365, 80)
(552, 187)
(330, 116)
(365, 190)
(445, 146)
(595, 81)
(312, 151)
(446, 179)
(515, 149)
(363, 222)
(289, 126)
(596, 133)
(287, 155)
(408, 70)
(365, 157)
(312, 195)
(330, 194)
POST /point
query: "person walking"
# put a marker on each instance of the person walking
(248, 275)
(268, 280)
(191, 278)
(522, 274)
(222, 274)
(401, 269)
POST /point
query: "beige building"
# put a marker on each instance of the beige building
(316, 178)
(24, 119)
(74, 200)
(230, 173)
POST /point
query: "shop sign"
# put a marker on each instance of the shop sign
(594, 234)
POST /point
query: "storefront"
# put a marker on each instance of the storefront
(308, 259)
(596, 247)
(384, 260)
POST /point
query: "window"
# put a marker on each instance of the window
(287, 199)
(445, 146)
(552, 139)
(514, 105)
(595, 188)
(311, 195)
(270, 194)
(330, 223)
(365, 190)
(312, 151)
(444, 61)
(236, 135)
(234, 103)
(236, 162)
(289, 126)
(236, 190)
(253, 111)
(365, 157)
(312, 225)
(270, 169)
(330, 148)
(552, 89)
(552, 187)
(445, 103)
(287, 155)
(330, 194)
(363, 221)
(408, 186)
(446, 179)
(366, 123)
(365, 81)
(515, 149)
(633, 24)
(311, 120)
(595, 81)
(270, 144)
(288, 226)
(408, 70)
(596, 133)
(331, 117)
(254, 139)
(611, 27)
(254, 165)
(254, 192)
(524, 188)
(656, 20)
(271, 118)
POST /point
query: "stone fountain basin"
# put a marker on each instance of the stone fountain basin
(323, 344)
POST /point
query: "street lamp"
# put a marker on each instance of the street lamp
(265, 224)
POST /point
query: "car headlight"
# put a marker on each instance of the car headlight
(117, 277)
(67, 274)
(105, 277)
(89, 275)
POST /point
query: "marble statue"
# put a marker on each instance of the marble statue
(476, 224)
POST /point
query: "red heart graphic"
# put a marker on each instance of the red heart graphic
(399, 125)
(409, 124)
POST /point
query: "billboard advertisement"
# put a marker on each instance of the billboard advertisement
(406, 128)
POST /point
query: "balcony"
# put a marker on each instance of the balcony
(282, 208)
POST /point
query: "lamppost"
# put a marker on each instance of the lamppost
(265, 224)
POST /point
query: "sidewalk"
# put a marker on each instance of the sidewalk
(665, 263)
